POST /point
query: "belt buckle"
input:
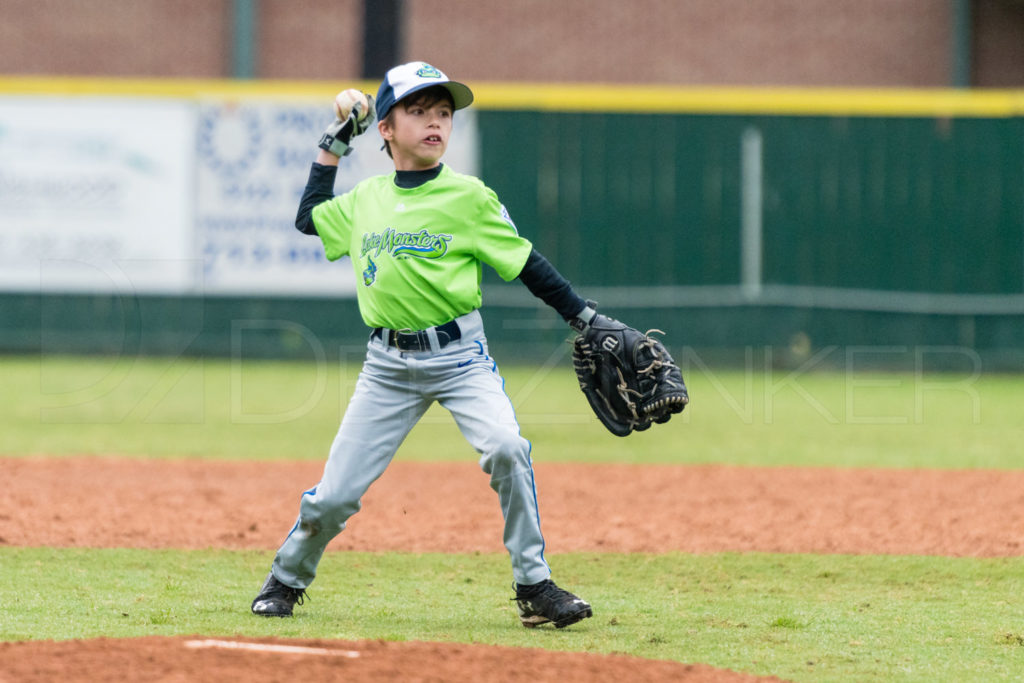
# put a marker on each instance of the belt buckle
(407, 340)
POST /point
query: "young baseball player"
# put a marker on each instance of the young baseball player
(417, 239)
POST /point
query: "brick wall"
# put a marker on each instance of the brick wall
(729, 42)
(319, 39)
(735, 42)
(185, 38)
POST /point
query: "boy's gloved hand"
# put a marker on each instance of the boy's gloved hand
(628, 376)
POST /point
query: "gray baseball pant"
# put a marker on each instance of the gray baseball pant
(393, 391)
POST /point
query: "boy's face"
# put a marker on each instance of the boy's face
(418, 133)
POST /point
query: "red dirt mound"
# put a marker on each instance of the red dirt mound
(198, 658)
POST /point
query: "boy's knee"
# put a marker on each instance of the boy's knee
(319, 513)
(506, 453)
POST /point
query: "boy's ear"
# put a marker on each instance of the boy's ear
(384, 128)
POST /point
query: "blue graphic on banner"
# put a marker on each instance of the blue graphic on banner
(253, 159)
(229, 144)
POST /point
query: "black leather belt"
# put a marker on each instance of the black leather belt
(418, 340)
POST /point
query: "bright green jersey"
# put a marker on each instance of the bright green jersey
(417, 253)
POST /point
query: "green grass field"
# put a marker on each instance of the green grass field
(281, 411)
(800, 617)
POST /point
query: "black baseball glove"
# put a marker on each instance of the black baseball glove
(628, 376)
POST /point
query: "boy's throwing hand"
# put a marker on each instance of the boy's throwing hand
(353, 113)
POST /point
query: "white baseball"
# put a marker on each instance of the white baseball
(347, 99)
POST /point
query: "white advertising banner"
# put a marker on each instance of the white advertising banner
(173, 196)
(253, 162)
(96, 195)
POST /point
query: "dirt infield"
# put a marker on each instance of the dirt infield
(111, 502)
(114, 502)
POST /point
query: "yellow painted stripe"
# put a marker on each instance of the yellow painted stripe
(790, 101)
(576, 97)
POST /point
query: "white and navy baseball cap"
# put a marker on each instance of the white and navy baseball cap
(406, 79)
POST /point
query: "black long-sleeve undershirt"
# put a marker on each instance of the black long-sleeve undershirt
(548, 285)
(319, 189)
(539, 276)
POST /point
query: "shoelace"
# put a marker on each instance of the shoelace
(297, 595)
(556, 594)
(550, 590)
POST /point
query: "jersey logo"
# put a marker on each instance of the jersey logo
(370, 274)
(508, 218)
(420, 244)
(427, 71)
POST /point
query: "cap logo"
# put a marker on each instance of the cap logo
(427, 71)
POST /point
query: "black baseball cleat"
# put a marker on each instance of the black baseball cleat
(545, 602)
(276, 599)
